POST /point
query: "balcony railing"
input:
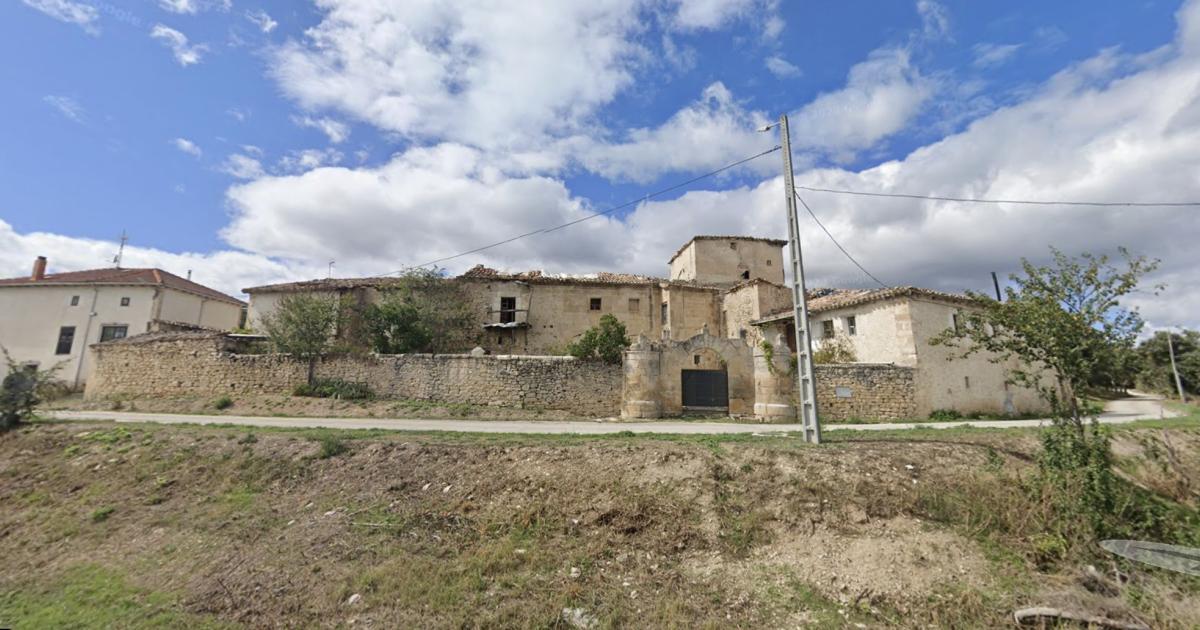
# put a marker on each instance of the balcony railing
(507, 317)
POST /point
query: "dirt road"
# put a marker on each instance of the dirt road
(1117, 412)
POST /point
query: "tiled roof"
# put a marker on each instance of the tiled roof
(123, 277)
(325, 284)
(773, 241)
(821, 300)
(152, 337)
(479, 272)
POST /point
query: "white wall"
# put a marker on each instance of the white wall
(189, 308)
(883, 331)
(31, 317)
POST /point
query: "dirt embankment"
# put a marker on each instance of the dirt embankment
(310, 528)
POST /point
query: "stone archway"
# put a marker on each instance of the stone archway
(654, 378)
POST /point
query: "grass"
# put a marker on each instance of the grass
(89, 596)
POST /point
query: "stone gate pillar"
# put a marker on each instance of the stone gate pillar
(774, 382)
(640, 392)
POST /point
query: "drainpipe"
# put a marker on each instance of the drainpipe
(86, 330)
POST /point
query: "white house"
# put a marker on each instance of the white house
(50, 319)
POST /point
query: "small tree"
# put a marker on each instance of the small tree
(838, 349)
(1155, 362)
(1065, 324)
(305, 326)
(425, 312)
(20, 391)
(605, 341)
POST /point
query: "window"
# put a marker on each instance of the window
(499, 341)
(827, 328)
(635, 305)
(664, 313)
(108, 333)
(66, 338)
(508, 310)
(967, 382)
(732, 245)
(851, 326)
(74, 300)
(124, 301)
(595, 304)
(768, 262)
(741, 333)
(746, 275)
(696, 359)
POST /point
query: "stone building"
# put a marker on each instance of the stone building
(49, 319)
(731, 289)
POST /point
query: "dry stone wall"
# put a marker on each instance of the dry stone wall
(174, 364)
(865, 391)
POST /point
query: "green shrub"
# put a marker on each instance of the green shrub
(331, 447)
(21, 391)
(334, 388)
(102, 514)
(224, 402)
(943, 415)
(605, 341)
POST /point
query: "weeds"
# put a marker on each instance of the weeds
(336, 389)
(331, 447)
(102, 514)
(222, 403)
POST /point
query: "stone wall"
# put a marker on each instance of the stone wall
(865, 391)
(174, 364)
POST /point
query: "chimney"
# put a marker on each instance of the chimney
(39, 268)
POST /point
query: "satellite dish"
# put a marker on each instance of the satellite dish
(1170, 557)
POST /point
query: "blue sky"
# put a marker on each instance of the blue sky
(254, 142)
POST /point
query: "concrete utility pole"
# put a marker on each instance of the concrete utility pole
(804, 364)
(1178, 383)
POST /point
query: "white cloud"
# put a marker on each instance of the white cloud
(935, 21)
(881, 96)
(65, 105)
(336, 130)
(243, 167)
(79, 13)
(251, 149)
(704, 135)
(709, 14)
(185, 54)
(226, 271)
(989, 55)
(262, 20)
(187, 146)
(782, 68)
(192, 7)
(237, 114)
(308, 159)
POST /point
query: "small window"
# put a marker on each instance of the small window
(108, 333)
(635, 305)
(742, 333)
(827, 328)
(499, 341)
(124, 301)
(967, 382)
(696, 359)
(74, 300)
(732, 245)
(664, 313)
(66, 338)
(851, 326)
(595, 304)
(768, 262)
(508, 310)
(746, 275)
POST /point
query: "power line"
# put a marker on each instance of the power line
(611, 210)
(1028, 202)
(835, 242)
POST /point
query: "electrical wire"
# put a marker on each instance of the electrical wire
(1028, 202)
(611, 210)
(835, 241)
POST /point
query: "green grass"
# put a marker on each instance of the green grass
(90, 596)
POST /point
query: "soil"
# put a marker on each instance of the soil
(326, 528)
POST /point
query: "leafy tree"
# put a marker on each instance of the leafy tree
(1155, 362)
(305, 326)
(1066, 325)
(20, 391)
(605, 341)
(424, 312)
(839, 349)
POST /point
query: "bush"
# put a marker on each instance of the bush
(943, 415)
(605, 341)
(331, 447)
(838, 349)
(223, 402)
(20, 391)
(334, 388)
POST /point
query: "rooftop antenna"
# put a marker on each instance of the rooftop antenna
(121, 251)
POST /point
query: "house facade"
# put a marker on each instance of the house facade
(49, 319)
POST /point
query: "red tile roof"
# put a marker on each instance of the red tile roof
(123, 277)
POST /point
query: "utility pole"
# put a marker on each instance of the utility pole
(804, 365)
(1178, 383)
(996, 283)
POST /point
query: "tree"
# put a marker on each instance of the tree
(1154, 373)
(1065, 324)
(305, 326)
(605, 341)
(20, 391)
(424, 312)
